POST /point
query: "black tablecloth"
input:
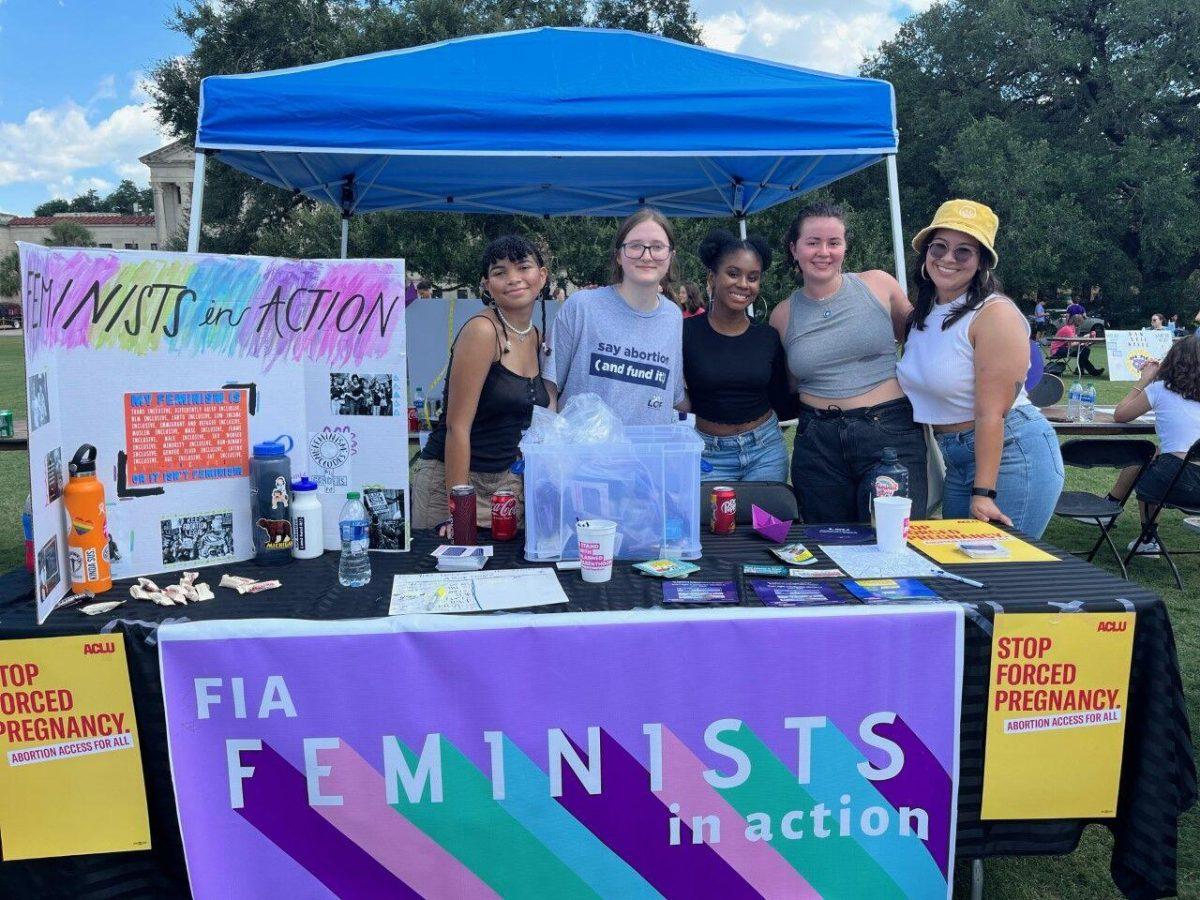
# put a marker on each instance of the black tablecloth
(1158, 778)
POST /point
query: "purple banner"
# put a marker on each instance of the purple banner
(739, 753)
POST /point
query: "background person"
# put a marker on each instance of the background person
(495, 381)
(839, 332)
(735, 369)
(1075, 308)
(624, 341)
(964, 365)
(1063, 349)
(1040, 322)
(691, 300)
(1157, 322)
(1172, 390)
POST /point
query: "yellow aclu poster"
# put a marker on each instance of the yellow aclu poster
(942, 539)
(1057, 705)
(70, 767)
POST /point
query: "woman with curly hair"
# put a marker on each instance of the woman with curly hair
(1172, 390)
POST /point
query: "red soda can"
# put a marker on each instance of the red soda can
(414, 423)
(504, 515)
(463, 524)
(724, 509)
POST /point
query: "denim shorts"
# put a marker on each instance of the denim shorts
(1153, 484)
(757, 455)
(1030, 477)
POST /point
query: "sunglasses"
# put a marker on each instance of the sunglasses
(962, 253)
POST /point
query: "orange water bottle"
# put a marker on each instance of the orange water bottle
(87, 528)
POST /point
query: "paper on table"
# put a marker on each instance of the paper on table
(868, 561)
(445, 592)
(768, 526)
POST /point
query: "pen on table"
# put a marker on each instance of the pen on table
(942, 573)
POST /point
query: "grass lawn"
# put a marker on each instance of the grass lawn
(1084, 874)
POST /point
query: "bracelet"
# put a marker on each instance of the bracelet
(1138, 389)
(983, 492)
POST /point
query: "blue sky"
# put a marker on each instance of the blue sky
(72, 116)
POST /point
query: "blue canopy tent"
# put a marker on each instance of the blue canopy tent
(551, 121)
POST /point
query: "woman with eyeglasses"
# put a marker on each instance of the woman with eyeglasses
(735, 369)
(840, 332)
(964, 366)
(624, 341)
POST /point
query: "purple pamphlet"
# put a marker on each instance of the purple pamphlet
(700, 592)
(795, 593)
(839, 534)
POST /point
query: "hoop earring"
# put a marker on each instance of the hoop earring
(925, 274)
(486, 296)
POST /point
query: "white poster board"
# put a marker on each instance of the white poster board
(174, 365)
(1128, 351)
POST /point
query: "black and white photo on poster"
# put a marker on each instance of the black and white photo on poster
(385, 510)
(48, 571)
(54, 478)
(39, 401)
(357, 394)
(203, 538)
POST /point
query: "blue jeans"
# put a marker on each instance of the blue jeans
(757, 455)
(1031, 471)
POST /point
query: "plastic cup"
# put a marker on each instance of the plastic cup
(891, 522)
(597, 538)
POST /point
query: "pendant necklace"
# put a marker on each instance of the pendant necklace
(521, 335)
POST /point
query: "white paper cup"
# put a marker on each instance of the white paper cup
(596, 539)
(891, 522)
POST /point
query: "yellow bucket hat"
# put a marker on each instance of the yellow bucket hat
(968, 217)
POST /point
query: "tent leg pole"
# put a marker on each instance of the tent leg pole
(742, 227)
(893, 180)
(345, 235)
(193, 243)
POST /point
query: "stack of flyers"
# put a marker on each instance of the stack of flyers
(795, 593)
(666, 568)
(887, 590)
(785, 572)
(461, 558)
(984, 549)
(795, 554)
(700, 592)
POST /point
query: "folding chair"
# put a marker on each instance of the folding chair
(1150, 526)
(1092, 509)
(774, 497)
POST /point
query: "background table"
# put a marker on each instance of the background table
(1102, 425)
(1158, 779)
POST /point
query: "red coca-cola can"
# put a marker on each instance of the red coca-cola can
(463, 523)
(724, 509)
(504, 515)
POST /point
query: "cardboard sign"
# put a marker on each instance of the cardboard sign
(70, 766)
(173, 365)
(1057, 705)
(1128, 351)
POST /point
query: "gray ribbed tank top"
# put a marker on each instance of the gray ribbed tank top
(841, 346)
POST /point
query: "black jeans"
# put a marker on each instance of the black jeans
(1152, 486)
(1085, 359)
(835, 451)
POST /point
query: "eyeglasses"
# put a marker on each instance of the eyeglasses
(962, 253)
(636, 250)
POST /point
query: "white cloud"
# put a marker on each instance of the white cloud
(70, 186)
(828, 35)
(105, 90)
(725, 31)
(53, 144)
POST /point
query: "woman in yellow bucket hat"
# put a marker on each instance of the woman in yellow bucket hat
(965, 359)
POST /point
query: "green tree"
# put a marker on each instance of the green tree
(88, 202)
(10, 275)
(244, 215)
(69, 234)
(50, 207)
(1077, 120)
(127, 199)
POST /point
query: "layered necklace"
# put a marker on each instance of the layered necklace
(521, 335)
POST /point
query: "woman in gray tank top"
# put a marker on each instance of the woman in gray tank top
(840, 332)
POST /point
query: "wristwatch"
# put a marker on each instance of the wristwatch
(983, 492)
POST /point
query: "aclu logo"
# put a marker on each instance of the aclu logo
(1112, 626)
(97, 647)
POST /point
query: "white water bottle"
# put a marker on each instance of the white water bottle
(308, 538)
(1075, 401)
(1087, 408)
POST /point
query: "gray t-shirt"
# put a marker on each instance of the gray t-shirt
(633, 360)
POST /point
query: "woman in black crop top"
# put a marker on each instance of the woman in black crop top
(735, 369)
(494, 383)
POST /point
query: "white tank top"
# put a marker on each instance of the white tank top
(937, 370)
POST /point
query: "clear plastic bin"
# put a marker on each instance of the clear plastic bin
(649, 486)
